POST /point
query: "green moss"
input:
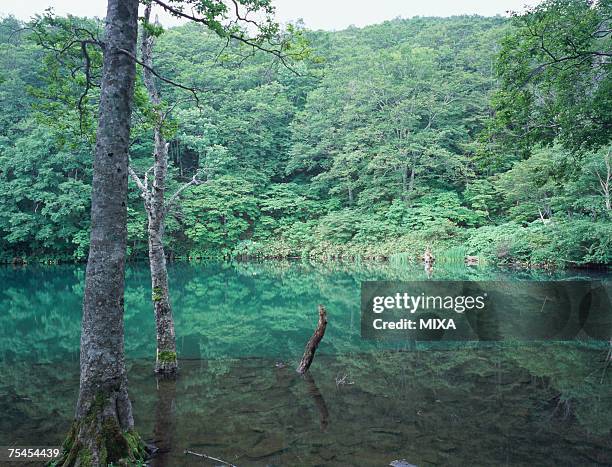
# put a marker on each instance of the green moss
(69, 441)
(113, 440)
(120, 446)
(73, 450)
(85, 457)
(112, 444)
(157, 294)
(136, 445)
(103, 455)
(71, 454)
(166, 356)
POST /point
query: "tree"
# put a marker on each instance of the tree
(412, 96)
(381, 139)
(103, 431)
(220, 213)
(603, 171)
(589, 190)
(157, 209)
(532, 186)
(554, 66)
(154, 197)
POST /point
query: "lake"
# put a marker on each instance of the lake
(241, 329)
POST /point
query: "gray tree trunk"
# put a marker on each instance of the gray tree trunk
(103, 429)
(404, 182)
(166, 360)
(411, 183)
(408, 180)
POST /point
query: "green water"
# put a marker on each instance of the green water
(241, 329)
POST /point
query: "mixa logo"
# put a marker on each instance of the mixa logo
(435, 323)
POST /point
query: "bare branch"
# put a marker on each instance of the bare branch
(193, 91)
(88, 84)
(61, 51)
(243, 18)
(146, 176)
(245, 40)
(169, 110)
(148, 40)
(143, 188)
(220, 52)
(172, 200)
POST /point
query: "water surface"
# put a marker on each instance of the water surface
(242, 328)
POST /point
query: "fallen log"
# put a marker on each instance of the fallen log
(313, 342)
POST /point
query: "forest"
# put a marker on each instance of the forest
(231, 137)
(468, 135)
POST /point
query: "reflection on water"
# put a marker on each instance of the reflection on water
(243, 327)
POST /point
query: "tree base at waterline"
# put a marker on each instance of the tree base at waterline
(98, 439)
(166, 363)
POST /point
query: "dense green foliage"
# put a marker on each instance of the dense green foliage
(487, 134)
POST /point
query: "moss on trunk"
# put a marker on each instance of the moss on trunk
(157, 295)
(166, 363)
(97, 439)
(166, 356)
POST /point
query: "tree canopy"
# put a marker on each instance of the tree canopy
(492, 134)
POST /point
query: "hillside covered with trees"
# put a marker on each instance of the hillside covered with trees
(467, 135)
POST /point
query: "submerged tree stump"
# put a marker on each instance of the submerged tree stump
(313, 343)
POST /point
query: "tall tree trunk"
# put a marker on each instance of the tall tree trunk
(411, 183)
(166, 361)
(404, 182)
(408, 180)
(103, 429)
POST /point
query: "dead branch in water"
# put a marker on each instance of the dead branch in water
(313, 343)
(197, 454)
